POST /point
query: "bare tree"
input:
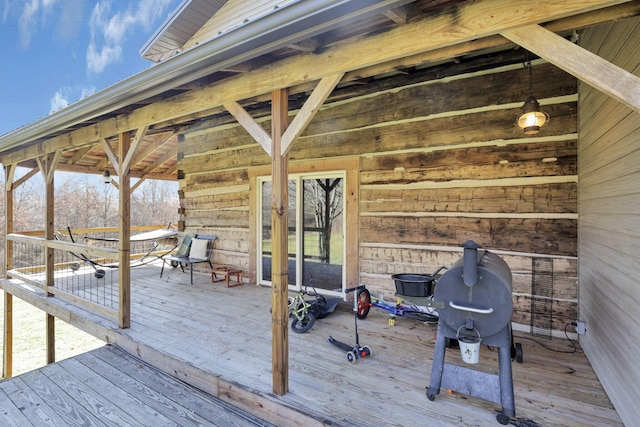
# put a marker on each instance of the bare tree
(155, 202)
(29, 205)
(324, 197)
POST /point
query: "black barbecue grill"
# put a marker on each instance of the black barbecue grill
(475, 305)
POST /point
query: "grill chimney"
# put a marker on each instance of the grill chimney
(470, 263)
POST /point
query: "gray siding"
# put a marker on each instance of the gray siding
(609, 223)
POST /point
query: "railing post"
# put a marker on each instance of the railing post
(124, 241)
(7, 353)
(49, 230)
(50, 258)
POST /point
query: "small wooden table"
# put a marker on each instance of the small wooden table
(226, 272)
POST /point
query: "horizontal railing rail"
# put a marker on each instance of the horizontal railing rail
(83, 274)
(82, 265)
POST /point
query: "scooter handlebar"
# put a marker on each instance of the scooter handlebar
(348, 291)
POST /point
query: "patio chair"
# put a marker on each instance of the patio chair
(194, 249)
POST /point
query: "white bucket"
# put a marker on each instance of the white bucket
(469, 347)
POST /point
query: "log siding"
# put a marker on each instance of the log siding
(440, 162)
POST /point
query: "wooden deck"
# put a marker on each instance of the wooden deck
(109, 387)
(218, 339)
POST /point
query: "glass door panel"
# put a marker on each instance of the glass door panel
(323, 237)
(267, 235)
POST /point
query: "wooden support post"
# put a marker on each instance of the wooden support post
(279, 260)
(7, 353)
(51, 340)
(7, 365)
(124, 242)
(49, 221)
(50, 260)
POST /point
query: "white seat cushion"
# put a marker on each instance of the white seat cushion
(198, 248)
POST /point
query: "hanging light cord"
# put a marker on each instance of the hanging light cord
(528, 64)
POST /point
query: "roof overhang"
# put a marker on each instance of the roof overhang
(299, 21)
(179, 27)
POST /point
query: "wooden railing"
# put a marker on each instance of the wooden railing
(85, 274)
(82, 274)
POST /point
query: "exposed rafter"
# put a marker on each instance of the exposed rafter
(582, 64)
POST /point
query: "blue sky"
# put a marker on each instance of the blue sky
(56, 52)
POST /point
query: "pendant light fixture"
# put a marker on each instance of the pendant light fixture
(531, 119)
(106, 176)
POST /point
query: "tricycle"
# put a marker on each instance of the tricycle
(414, 298)
(304, 311)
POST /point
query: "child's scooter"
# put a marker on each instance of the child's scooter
(354, 352)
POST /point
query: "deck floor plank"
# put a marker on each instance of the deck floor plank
(42, 406)
(190, 398)
(76, 384)
(108, 387)
(129, 395)
(10, 413)
(219, 339)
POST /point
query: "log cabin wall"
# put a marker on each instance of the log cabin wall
(440, 162)
(609, 163)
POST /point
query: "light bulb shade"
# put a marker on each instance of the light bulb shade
(532, 119)
(107, 177)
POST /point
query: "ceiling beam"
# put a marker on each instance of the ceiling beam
(308, 111)
(137, 140)
(169, 155)
(575, 22)
(308, 46)
(136, 185)
(471, 20)
(250, 125)
(47, 164)
(26, 177)
(582, 64)
(152, 148)
(111, 155)
(168, 175)
(78, 155)
(402, 14)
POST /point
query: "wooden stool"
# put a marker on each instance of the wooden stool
(226, 272)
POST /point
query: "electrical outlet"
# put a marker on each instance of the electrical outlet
(581, 327)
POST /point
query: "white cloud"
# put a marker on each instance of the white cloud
(67, 95)
(97, 61)
(87, 91)
(58, 102)
(5, 9)
(27, 21)
(109, 29)
(34, 14)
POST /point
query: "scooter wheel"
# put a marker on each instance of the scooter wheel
(351, 357)
(367, 351)
(364, 303)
